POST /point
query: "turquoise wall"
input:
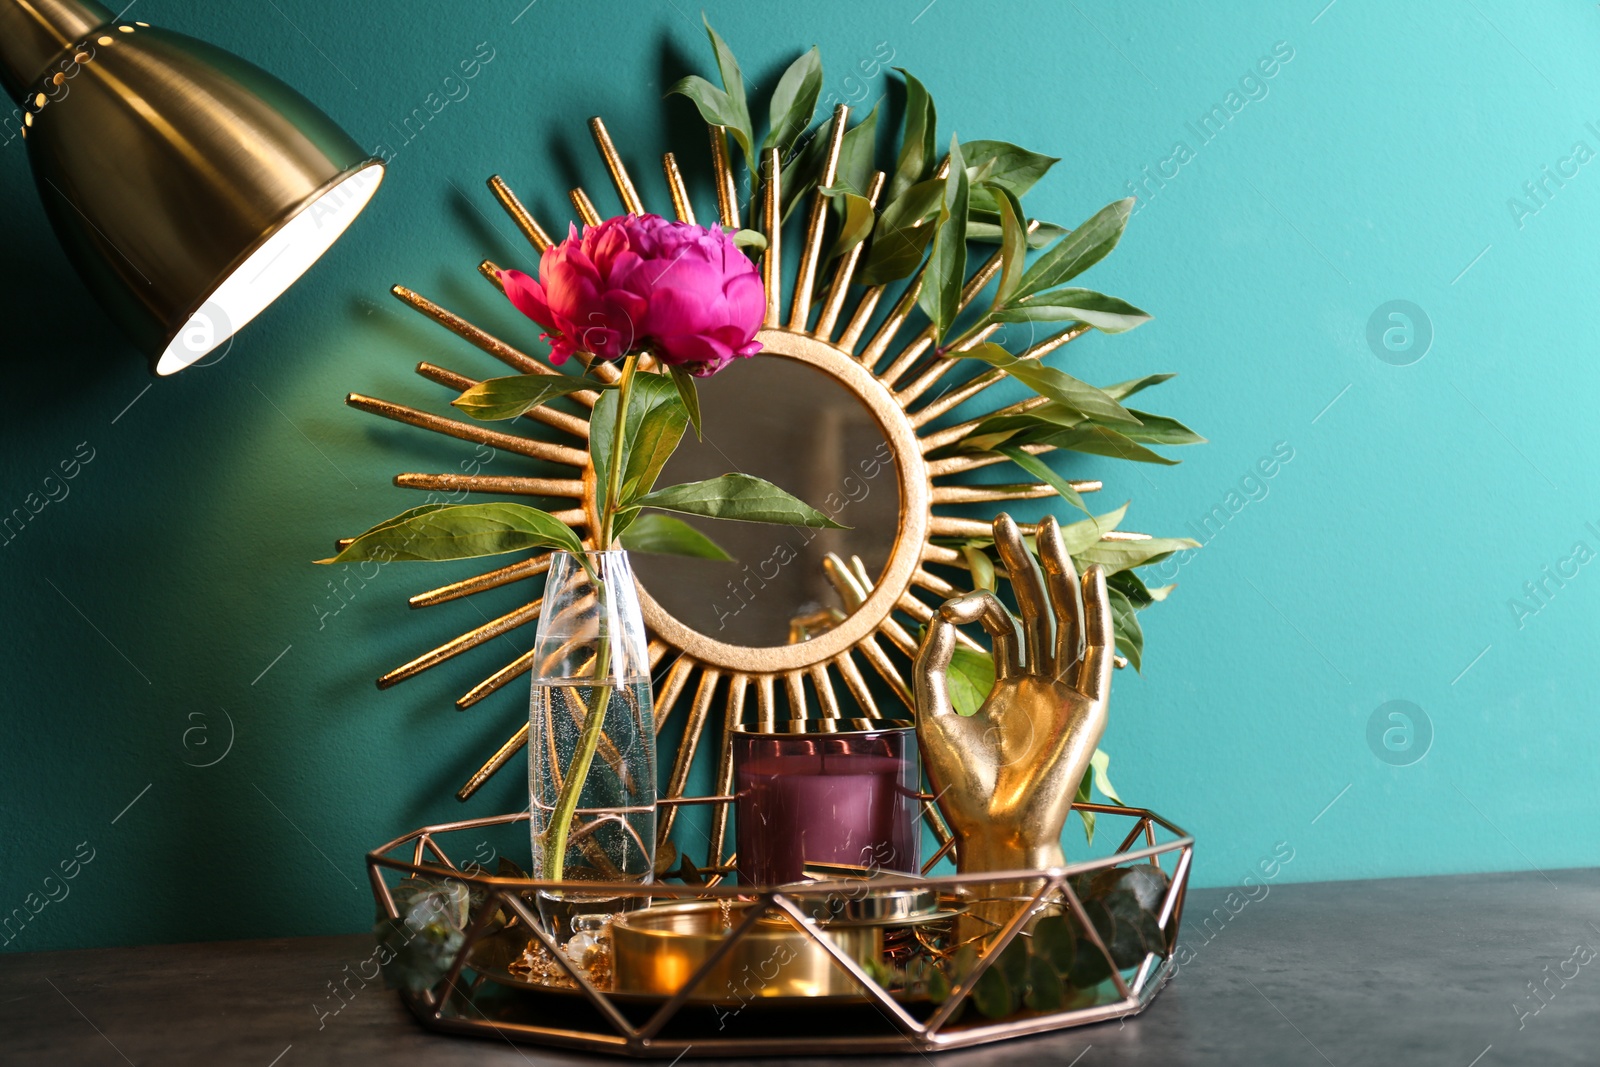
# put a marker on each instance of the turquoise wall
(166, 599)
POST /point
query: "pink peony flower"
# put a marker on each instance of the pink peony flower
(639, 283)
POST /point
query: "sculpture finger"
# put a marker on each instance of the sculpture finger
(984, 607)
(1099, 649)
(1029, 589)
(931, 672)
(1061, 577)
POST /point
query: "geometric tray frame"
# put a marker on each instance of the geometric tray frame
(454, 1004)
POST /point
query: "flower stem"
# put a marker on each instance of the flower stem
(608, 509)
(555, 853)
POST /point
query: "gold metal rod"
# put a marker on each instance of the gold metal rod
(879, 659)
(825, 694)
(560, 420)
(520, 215)
(766, 705)
(984, 494)
(817, 225)
(959, 395)
(732, 719)
(509, 485)
(684, 760)
(584, 206)
(655, 652)
(727, 189)
(950, 526)
(935, 585)
(876, 347)
(951, 434)
(859, 318)
(941, 366)
(469, 640)
(950, 557)
(828, 317)
(969, 293)
(898, 635)
(672, 688)
(482, 339)
(794, 684)
(515, 572)
(619, 173)
(522, 446)
(491, 271)
(939, 468)
(772, 260)
(501, 757)
(857, 685)
(498, 680)
(681, 205)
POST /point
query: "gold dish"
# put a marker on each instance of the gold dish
(658, 949)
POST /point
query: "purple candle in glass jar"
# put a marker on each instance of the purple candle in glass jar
(845, 797)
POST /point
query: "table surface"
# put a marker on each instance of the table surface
(1413, 971)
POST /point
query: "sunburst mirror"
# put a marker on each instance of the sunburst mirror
(845, 659)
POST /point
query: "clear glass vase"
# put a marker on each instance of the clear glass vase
(591, 703)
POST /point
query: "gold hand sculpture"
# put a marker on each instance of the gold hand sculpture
(1005, 777)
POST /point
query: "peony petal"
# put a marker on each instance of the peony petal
(528, 296)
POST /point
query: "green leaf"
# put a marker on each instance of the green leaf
(857, 154)
(1099, 763)
(982, 568)
(919, 140)
(1045, 990)
(970, 678)
(649, 392)
(1058, 385)
(733, 83)
(690, 395)
(1100, 441)
(1042, 471)
(1055, 942)
(1123, 390)
(1003, 165)
(750, 240)
(1125, 627)
(993, 996)
(1013, 244)
(903, 233)
(1079, 537)
(650, 446)
(1140, 595)
(717, 108)
(985, 227)
(1117, 556)
(947, 266)
(800, 175)
(857, 221)
(1085, 797)
(1107, 314)
(741, 497)
(1079, 250)
(506, 398)
(462, 531)
(794, 101)
(663, 535)
(1160, 430)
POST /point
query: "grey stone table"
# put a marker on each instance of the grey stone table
(1470, 971)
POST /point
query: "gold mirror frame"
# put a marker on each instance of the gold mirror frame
(891, 394)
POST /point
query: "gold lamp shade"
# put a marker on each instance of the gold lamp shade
(188, 187)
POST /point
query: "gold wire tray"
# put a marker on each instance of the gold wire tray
(475, 997)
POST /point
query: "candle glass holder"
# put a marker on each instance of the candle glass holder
(821, 795)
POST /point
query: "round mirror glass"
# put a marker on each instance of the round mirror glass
(808, 434)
